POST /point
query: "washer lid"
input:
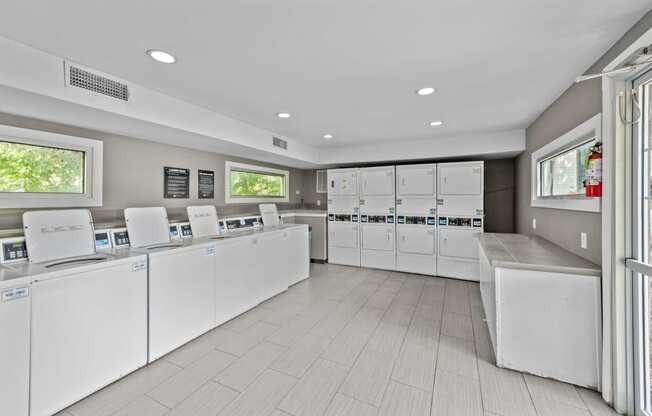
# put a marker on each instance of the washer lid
(203, 220)
(147, 226)
(52, 235)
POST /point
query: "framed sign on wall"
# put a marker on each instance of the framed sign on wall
(206, 183)
(176, 182)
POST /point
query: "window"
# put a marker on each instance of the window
(40, 169)
(250, 183)
(558, 169)
(563, 174)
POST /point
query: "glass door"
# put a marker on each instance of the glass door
(640, 265)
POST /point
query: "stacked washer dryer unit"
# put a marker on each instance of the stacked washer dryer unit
(377, 218)
(343, 217)
(416, 224)
(460, 206)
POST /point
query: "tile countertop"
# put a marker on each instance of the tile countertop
(519, 251)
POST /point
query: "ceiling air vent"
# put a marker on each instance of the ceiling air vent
(280, 143)
(81, 78)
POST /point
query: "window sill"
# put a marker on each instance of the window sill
(572, 204)
(254, 200)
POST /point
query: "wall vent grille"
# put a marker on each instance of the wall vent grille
(280, 143)
(81, 78)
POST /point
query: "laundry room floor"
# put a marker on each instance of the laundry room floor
(346, 342)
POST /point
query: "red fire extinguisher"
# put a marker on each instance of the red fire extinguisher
(593, 173)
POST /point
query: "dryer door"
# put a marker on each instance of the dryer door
(460, 179)
(342, 183)
(458, 242)
(377, 181)
(343, 234)
(416, 240)
(378, 237)
(415, 181)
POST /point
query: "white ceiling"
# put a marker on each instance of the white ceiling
(347, 67)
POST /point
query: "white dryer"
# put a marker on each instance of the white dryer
(460, 189)
(181, 281)
(88, 310)
(377, 218)
(416, 226)
(458, 254)
(343, 217)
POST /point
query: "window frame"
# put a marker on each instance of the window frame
(589, 130)
(93, 170)
(233, 199)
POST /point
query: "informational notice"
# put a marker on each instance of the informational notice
(176, 182)
(206, 181)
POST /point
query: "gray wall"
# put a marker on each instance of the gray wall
(133, 174)
(576, 105)
(309, 190)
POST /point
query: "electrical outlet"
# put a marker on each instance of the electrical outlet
(298, 192)
(318, 202)
(583, 242)
(534, 223)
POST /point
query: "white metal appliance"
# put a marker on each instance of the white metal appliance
(181, 281)
(416, 225)
(103, 240)
(15, 311)
(89, 310)
(457, 254)
(377, 217)
(460, 211)
(298, 252)
(269, 214)
(343, 217)
(203, 220)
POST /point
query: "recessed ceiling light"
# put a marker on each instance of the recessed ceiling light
(436, 123)
(161, 56)
(283, 115)
(426, 91)
(328, 136)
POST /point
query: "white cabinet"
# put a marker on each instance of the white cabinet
(415, 181)
(378, 181)
(236, 288)
(298, 254)
(181, 296)
(342, 182)
(88, 330)
(14, 350)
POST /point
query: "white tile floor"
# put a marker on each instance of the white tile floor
(346, 342)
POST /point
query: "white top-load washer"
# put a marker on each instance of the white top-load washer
(377, 217)
(181, 281)
(460, 210)
(203, 221)
(416, 223)
(343, 217)
(15, 316)
(269, 214)
(88, 309)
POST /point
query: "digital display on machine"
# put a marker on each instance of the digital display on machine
(233, 224)
(477, 222)
(343, 217)
(390, 219)
(102, 240)
(250, 222)
(222, 227)
(331, 217)
(120, 238)
(459, 222)
(186, 230)
(354, 218)
(378, 219)
(432, 221)
(363, 218)
(415, 220)
(443, 221)
(14, 250)
(174, 231)
(400, 219)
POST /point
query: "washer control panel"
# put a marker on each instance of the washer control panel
(14, 250)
